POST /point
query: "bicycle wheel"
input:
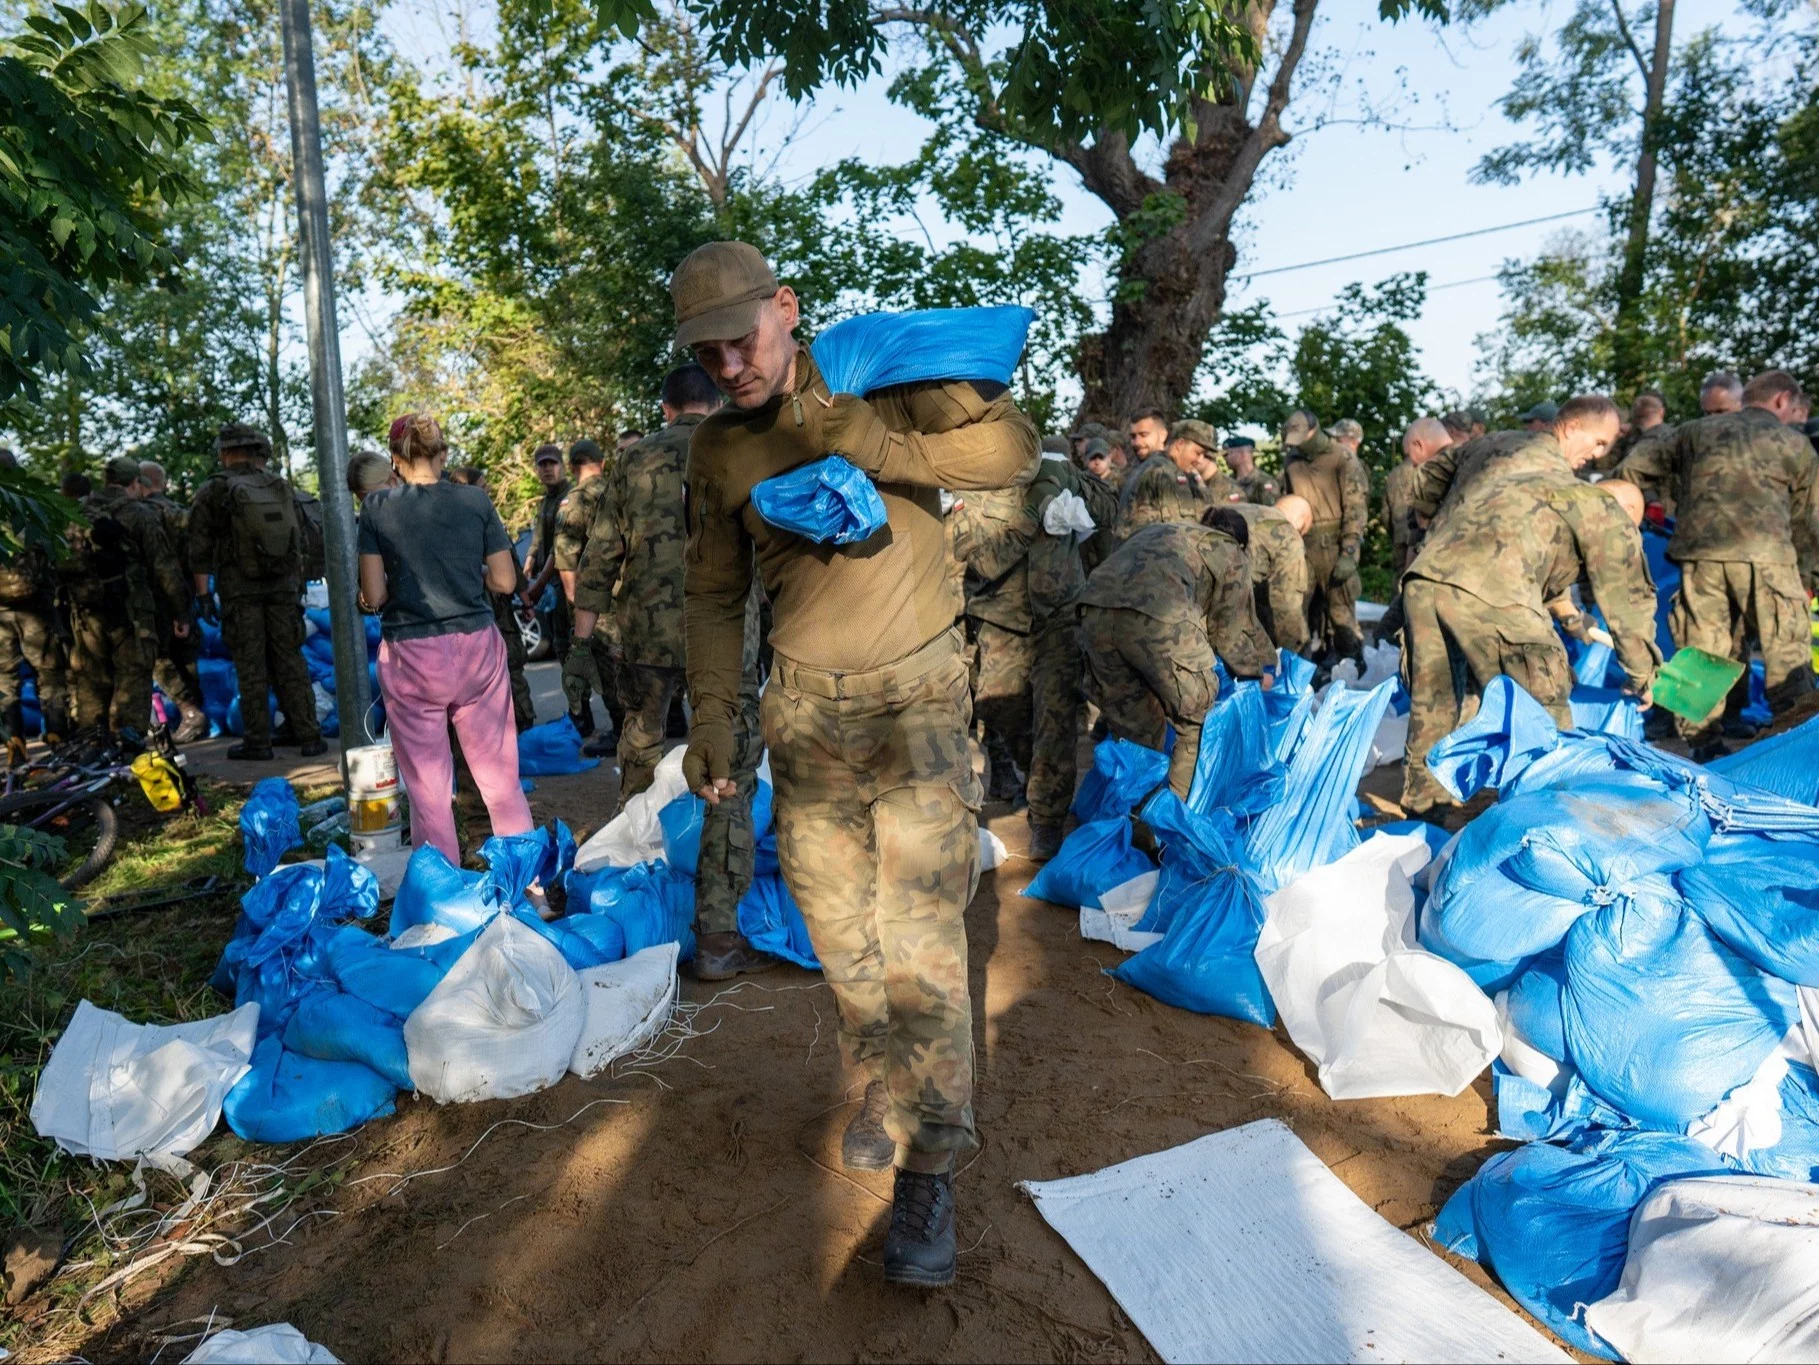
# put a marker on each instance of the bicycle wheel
(87, 825)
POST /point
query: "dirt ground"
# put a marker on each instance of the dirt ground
(697, 1211)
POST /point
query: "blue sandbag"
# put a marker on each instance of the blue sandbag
(435, 891)
(394, 980)
(1195, 849)
(1552, 1223)
(1760, 897)
(875, 350)
(515, 861)
(268, 825)
(1796, 1155)
(652, 903)
(1510, 731)
(1123, 774)
(581, 948)
(1662, 1020)
(1534, 1005)
(681, 822)
(220, 686)
(1786, 764)
(332, 1026)
(1091, 861)
(1606, 711)
(1310, 825)
(287, 1097)
(770, 918)
(552, 749)
(1206, 960)
(830, 501)
(1289, 705)
(1235, 768)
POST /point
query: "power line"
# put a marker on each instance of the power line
(1432, 289)
(1410, 246)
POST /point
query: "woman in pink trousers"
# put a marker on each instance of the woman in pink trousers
(430, 552)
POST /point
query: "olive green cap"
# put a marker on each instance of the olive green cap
(1054, 445)
(1347, 428)
(239, 436)
(548, 451)
(719, 292)
(1200, 433)
(1236, 442)
(1089, 431)
(122, 470)
(1541, 412)
(1096, 447)
(585, 451)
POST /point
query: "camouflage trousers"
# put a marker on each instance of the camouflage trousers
(175, 671)
(580, 696)
(263, 632)
(1146, 675)
(505, 615)
(1001, 691)
(729, 838)
(1722, 607)
(1332, 602)
(646, 692)
(876, 806)
(1056, 703)
(1453, 644)
(111, 665)
(28, 633)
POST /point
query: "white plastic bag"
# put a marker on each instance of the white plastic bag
(1390, 742)
(992, 851)
(1523, 1057)
(627, 1004)
(116, 1090)
(1119, 910)
(503, 1022)
(1066, 514)
(1378, 1015)
(276, 1344)
(1725, 1268)
(634, 835)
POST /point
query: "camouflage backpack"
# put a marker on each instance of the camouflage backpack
(98, 558)
(262, 521)
(21, 576)
(314, 541)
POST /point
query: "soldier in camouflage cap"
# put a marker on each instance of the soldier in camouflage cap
(1153, 616)
(1177, 483)
(1337, 487)
(1746, 538)
(1087, 431)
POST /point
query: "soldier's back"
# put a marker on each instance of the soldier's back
(1737, 477)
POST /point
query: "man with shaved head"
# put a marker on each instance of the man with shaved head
(1425, 438)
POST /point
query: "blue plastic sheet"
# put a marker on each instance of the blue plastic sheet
(1195, 848)
(1553, 1222)
(584, 940)
(770, 919)
(332, 1026)
(1123, 774)
(268, 825)
(1760, 897)
(394, 980)
(876, 350)
(1235, 768)
(1289, 705)
(287, 1097)
(1510, 731)
(652, 903)
(515, 861)
(435, 891)
(1606, 711)
(1206, 960)
(681, 822)
(830, 501)
(552, 749)
(1535, 1004)
(1666, 574)
(1786, 764)
(1091, 861)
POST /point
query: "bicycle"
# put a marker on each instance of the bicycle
(68, 793)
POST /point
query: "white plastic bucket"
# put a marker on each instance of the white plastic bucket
(372, 790)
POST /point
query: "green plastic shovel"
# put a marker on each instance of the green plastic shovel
(1693, 683)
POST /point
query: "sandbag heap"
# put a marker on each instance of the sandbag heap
(221, 684)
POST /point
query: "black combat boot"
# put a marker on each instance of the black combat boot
(584, 721)
(720, 957)
(920, 1249)
(255, 753)
(314, 749)
(1045, 842)
(865, 1146)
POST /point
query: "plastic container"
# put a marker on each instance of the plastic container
(372, 791)
(1693, 683)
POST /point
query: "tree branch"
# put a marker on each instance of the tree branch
(1629, 39)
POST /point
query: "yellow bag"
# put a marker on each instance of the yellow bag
(160, 780)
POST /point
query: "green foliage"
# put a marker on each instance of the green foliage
(34, 908)
(33, 515)
(87, 159)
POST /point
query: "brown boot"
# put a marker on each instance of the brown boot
(865, 1146)
(720, 957)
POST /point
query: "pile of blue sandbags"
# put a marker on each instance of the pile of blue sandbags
(221, 686)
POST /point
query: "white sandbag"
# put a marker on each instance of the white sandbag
(1067, 514)
(1381, 663)
(634, 835)
(1391, 740)
(627, 1004)
(1120, 908)
(503, 1022)
(1523, 1057)
(1378, 1014)
(1725, 1268)
(992, 851)
(276, 1344)
(116, 1090)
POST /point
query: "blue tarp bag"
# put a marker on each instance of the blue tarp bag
(287, 1097)
(1194, 849)
(435, 891)
(1534, 1005)
(681, 822)
(268, 825)
(1552, 1223)
(219, 688)
(1760, 897)
(1786, 764)
(552, 749)
(1666, 574)
(830, 501)
(1606, 711)
(1206, 960)
(876, 350)
(1091, 861)
(514, 861)
(1310, 825)
(652, 903)
(394, 980)
(1796, 1155)
(1289, 705)
(581, 948)
(1510, 731)
(332, 1026)
(1235, 768)
(771, 920)
(1662, 1020)
(1123, 775)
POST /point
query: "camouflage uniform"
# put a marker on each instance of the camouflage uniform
(1747, 543)
(866, 715)
(1477, 598)
(1159, 491)
(1337, 486)
(1151, 617)
(28, 634)
(1443, 481)
(1259, 487)
(1622, 447)
(117, 591)
(261, 617)
(1406, 527)
(631, 576)
(992, 532)
(729, 837)
(505, 616)
(1278, 575)
(543, 548)
(575, 517)
(176, 669)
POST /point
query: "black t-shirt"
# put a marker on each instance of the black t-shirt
(434, 539)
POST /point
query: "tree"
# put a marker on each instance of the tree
(1082, 85)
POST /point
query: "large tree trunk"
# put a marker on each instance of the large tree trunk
(1171, 288)
(1627, 348)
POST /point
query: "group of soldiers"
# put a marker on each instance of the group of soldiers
(122, 607)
